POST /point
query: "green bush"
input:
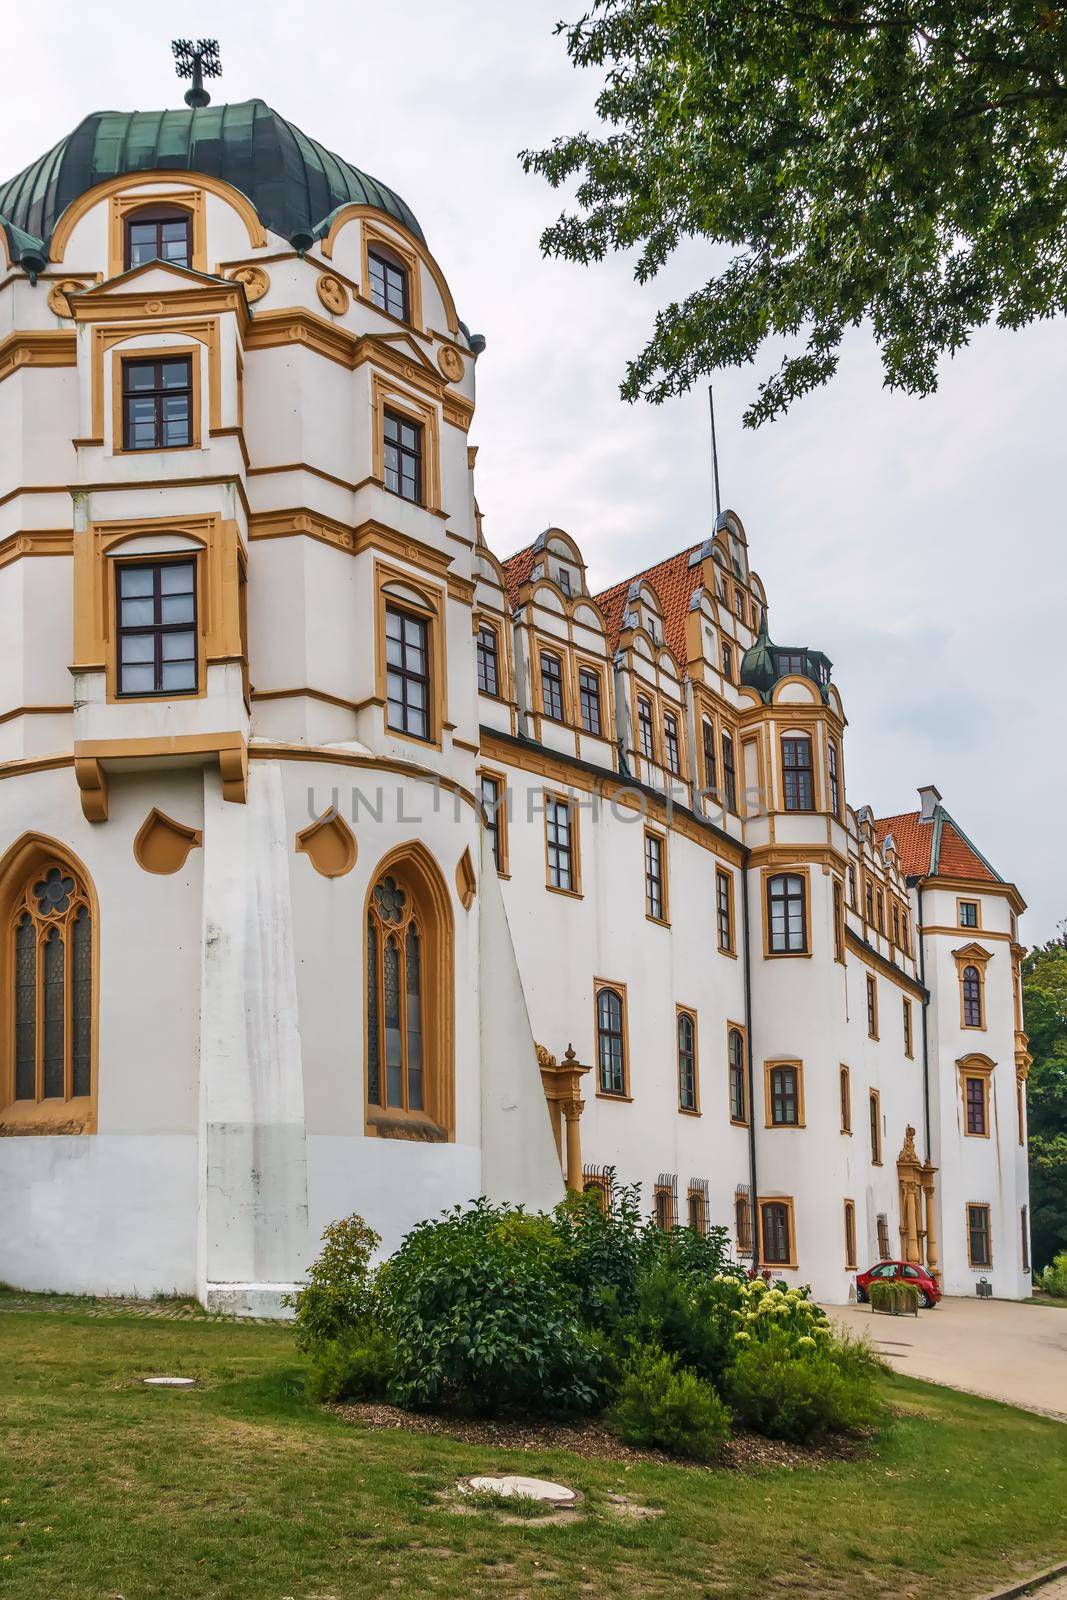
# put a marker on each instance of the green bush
(483, 1319)
(804, 1390)
(897, 1298)
(357, 1366)
(608, 1254)
(339, 1297)
(691, 1317)
(1054, 1278)
(663, 1404)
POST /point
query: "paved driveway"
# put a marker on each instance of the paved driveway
(999, 1348)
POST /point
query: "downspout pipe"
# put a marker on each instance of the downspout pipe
(926, 1044)
(749, 1058)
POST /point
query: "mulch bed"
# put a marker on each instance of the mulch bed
(744, 1453)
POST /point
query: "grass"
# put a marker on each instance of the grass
(239, 1490)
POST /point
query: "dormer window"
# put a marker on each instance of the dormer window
(645, 735)
(790, 664)
(159, 233)
(388, 282)
(671, 748)
(564, 580)
(552, 687)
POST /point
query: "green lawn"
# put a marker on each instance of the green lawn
(238, 1490)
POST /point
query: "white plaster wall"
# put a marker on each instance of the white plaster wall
(115, 1211)
(253, 1165)
(563, 943)
(990, 1171)
(100, 1214)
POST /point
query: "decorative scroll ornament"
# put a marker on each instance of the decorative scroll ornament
(332, 293)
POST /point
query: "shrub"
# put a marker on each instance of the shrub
(691, 1317)
(897, 1298)
(601, 1253)
(805, 1389)
(339, 1296)
(775, 1311)
(482, 1317)
(357, 1366)
(1054, 1278)
(663, 1404)
(609, 1254)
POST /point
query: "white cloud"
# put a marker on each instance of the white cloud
(918, 542)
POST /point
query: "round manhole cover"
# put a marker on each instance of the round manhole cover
(170, 1383)
(515, 1486)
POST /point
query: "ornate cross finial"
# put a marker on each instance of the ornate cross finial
(197, 61)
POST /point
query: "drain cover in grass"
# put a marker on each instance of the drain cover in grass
(170, 1383)
(515, 1486)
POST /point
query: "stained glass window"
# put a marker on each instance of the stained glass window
(81, 1001)
(25, 1009)
(52, 988)
(396, 1067)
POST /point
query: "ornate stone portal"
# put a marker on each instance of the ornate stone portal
(916, 1180)
(562, 1085)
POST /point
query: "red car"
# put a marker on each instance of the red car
(900, 1272)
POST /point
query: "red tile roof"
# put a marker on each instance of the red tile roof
(913, 838)
(517, 569)
(674, 581)
(956, 857)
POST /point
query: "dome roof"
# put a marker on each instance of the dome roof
(292, 181)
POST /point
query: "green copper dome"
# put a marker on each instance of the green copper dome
(764, 663)
(293, 182)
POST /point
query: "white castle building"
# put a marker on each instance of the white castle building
(347, 867)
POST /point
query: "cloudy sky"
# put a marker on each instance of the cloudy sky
(920, 543)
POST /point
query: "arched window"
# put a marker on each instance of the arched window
(611, 1042)
(687, 1061)
(50, 989)
(972, 998)
(159, 233)
(409, 1002)
(735, 1045)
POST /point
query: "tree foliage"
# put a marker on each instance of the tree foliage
(897, 160)
(1044, 976)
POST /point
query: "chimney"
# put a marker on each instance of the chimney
(929, 800)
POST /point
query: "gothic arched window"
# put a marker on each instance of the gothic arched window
(394, 999)
(50, 995)
(409, 1002)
